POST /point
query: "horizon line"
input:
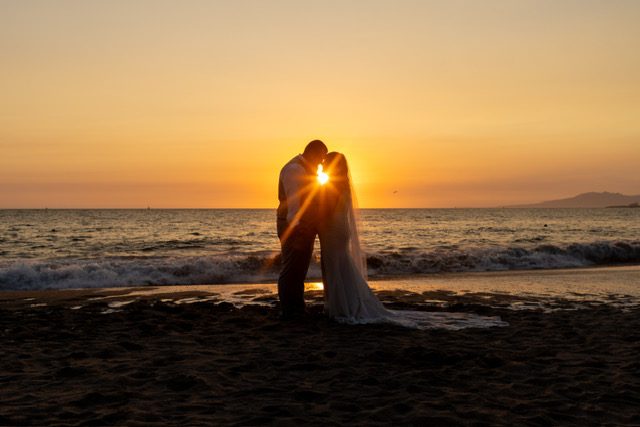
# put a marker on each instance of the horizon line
(275, 208)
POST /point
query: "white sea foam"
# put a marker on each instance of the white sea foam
(111, 272)
(62, 274)
(508, 258)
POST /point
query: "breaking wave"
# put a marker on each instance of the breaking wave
(135, 271)
(511, 258)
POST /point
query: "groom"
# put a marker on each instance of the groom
(298, 218)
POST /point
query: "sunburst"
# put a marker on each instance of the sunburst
(323, 177)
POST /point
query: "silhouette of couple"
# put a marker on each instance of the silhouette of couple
(309, 207)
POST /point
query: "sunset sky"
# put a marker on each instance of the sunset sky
(199, 103)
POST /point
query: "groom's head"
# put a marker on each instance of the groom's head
(315, 152)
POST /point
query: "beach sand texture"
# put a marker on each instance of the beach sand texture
(153, 361)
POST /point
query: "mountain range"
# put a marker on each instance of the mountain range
(586, 200)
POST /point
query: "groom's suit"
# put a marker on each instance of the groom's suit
(297, 228)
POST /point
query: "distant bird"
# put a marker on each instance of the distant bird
(395, 191)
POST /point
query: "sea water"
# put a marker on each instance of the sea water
(109, 247)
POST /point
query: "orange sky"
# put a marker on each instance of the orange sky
(199, 103)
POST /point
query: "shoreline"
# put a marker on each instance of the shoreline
(597, 283)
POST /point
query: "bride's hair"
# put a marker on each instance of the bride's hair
(337, 165)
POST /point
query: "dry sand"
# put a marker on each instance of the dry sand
(151, 362)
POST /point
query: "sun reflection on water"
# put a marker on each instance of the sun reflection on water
(313, 286)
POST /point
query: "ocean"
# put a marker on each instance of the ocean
(84, 248)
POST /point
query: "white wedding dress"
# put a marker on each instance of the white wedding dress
(348, 298)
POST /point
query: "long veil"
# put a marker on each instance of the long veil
(353, 224)
(351, 300)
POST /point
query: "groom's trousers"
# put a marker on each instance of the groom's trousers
(296, 257)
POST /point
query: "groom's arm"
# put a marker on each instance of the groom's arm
(293, 181)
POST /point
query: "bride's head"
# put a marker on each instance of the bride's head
(336, 166)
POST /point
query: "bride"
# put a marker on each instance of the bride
(348, 298)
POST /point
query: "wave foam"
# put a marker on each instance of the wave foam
(112, 272)
(62, 274)
(512, 258)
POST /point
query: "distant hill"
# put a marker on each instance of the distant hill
(586, 200)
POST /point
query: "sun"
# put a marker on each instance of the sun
(323, 178)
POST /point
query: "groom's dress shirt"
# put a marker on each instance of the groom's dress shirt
(293, 180)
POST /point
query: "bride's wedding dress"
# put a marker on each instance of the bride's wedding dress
(348, 298)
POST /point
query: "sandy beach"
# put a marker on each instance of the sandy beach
(188, 357)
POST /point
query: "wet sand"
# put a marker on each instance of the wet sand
(79, 360)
